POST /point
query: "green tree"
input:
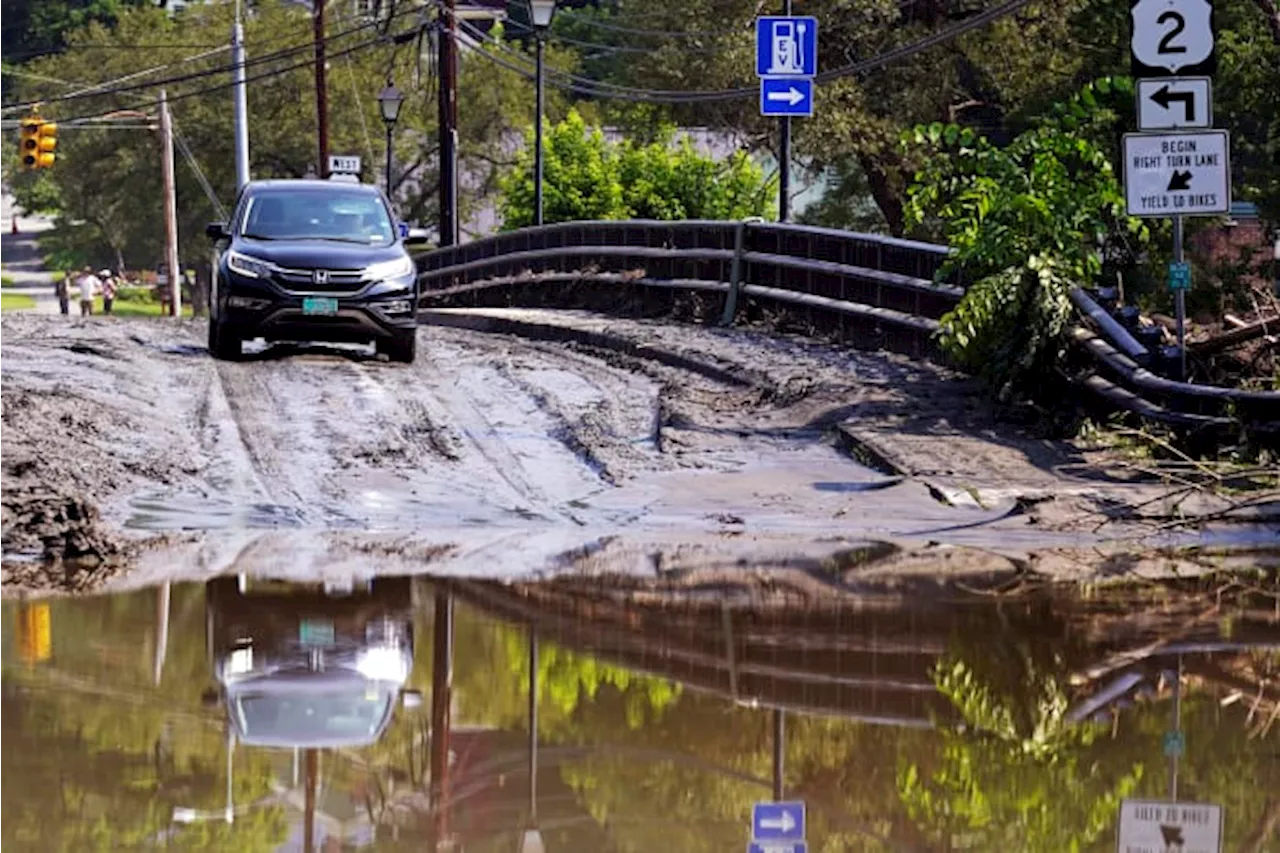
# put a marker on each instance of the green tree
(106, 189)
(1028, 221)
(585, 176)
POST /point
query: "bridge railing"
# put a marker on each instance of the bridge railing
(866, 290)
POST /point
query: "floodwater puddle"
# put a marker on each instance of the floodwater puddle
(248, 713)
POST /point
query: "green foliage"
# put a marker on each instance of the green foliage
(105, 188)
(1027, 222)
(585, 176)
(1020, 779)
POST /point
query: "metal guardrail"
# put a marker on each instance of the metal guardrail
(860, 288)
(866, 290)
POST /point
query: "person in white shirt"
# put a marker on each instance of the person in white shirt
(90, 286)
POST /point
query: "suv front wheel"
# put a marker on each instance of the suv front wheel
(401, 347)
(224, 340)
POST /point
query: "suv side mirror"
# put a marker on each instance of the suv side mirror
(411, 698)
(209, 697)
(417, 237)
(217, 231)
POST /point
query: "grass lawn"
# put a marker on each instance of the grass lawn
(127, 307)
(16, 302)
(6, 281)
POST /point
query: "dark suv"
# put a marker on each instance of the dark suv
(307, 260)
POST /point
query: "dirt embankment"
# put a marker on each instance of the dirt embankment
(123, 435)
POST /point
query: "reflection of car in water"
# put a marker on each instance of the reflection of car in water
(301, 666)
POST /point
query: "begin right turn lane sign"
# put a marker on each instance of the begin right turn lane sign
(1177, 174)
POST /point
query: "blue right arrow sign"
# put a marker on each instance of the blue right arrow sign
(786, 96)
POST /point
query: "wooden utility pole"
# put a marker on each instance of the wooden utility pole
(448, 58)
(170, 209)
(441, 705)
(322, 104)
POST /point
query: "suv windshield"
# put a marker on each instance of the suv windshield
(349, 216)
(350, 715)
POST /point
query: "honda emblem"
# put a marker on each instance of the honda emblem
(319, 276)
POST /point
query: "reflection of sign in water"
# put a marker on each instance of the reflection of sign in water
(774, 822)
(35, 637)
(1163, 827)
(786, 47)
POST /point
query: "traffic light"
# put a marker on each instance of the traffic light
(48, 140)
(29, 145)
(39, 139)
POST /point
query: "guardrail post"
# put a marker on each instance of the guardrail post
(735, 270)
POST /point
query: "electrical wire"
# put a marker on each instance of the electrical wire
(183, 78)
(601, 89)
(218, 87)
(98, 86)
(597, 88)
(355, 97)
(617, 28)
(606, 48)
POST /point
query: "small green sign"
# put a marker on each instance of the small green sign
(1179, 276)
(1175, 744)
(316, 632)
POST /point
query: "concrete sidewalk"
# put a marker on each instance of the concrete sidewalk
(21, 259)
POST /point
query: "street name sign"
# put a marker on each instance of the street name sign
(786, 96)
(778, 847)
(344, 164)
(1172, 37)
(772, 823)
(1177, 174)
(786, 46)
(1156, 827)
(1173, 103)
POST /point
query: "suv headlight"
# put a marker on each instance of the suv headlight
(382, 663)
(389, 269)
(245, 265)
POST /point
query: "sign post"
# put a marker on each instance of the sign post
(786, 63)
(1183, 174)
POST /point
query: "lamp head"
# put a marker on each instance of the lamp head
(389, 101)
(541, 12)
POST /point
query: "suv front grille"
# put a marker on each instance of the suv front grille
(303, 281)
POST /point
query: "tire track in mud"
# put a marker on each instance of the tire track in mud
(484, 409)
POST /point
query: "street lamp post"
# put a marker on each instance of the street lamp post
(389, 101)
(540, 12)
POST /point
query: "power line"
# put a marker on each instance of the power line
(183, 78)
(617, 28)
(607, 48)
(601, 89)
(249, 79)
(97, 86)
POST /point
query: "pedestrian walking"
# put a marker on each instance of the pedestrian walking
(109, 286)
(62, 289)
(90, 286)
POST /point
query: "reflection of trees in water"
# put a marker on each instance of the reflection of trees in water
(95, 757)
(673, 769)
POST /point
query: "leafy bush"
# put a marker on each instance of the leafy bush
(1027, 223)
(587, 177)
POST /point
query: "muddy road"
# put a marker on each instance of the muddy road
(126, 446)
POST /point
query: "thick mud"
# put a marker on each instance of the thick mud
(126, 446)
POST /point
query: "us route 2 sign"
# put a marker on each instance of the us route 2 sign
(1171, 103)
(1157, 827)
(1172, 37)
(1177, 174)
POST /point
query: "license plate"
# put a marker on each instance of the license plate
(316, 632)
(320, 305)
